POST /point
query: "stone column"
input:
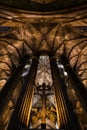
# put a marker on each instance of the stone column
(65, 115)
(43, 122)
(76, 82)
(8, 89)
(21, 115)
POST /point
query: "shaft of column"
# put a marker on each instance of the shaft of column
(43, 123)
(9, 87)
(65, 115)
(76, 82)
(21, 115)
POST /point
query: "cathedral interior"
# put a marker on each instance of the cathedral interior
(43, 64)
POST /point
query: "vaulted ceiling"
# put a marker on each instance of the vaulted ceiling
(43, 5)
(42, 27)
(24, 31)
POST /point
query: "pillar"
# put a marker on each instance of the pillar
(65, 115)
(8, 89)
(43, 122)
(76, 82)
(21, 115)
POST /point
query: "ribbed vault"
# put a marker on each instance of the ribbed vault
(62, 33)
(25, 33)
(43, 5)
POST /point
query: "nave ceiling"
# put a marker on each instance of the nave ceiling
(36, 33)
(64, 32)
(43, 5)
